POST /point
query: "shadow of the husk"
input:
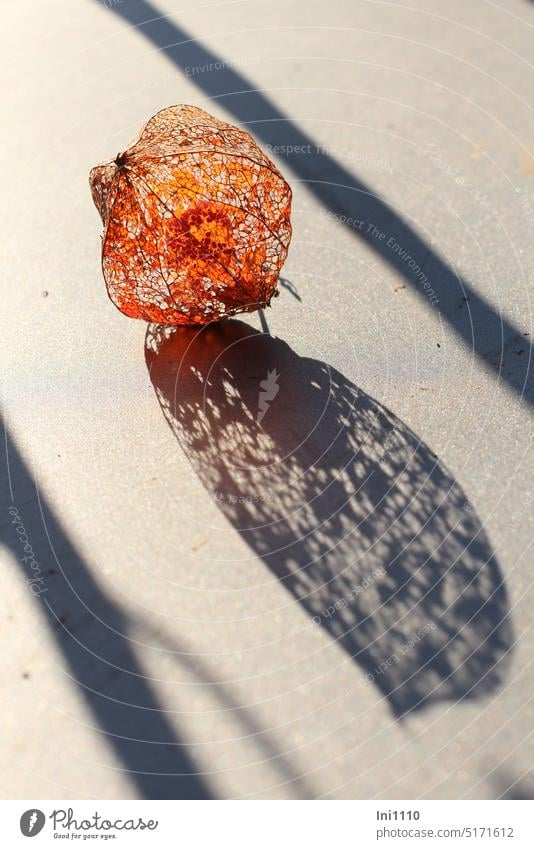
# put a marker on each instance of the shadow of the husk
(341, 500)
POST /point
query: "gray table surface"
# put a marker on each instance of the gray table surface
(170, 652)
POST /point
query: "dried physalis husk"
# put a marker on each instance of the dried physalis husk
(196, 221)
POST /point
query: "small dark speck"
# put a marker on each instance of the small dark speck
(25, 674)
(518, 353)
(437, 343)
(51, 571)
(526, 334)
(44, 294)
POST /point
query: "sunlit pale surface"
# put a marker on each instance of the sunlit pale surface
(285, 564)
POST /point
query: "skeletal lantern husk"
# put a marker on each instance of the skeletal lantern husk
(196, 221)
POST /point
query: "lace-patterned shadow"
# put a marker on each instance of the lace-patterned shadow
(350, 510)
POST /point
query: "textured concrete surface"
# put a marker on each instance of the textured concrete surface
(334, 602)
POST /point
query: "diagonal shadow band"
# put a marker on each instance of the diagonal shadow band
(350, 511)
(490, 335)
(90, 631)
(295, 782)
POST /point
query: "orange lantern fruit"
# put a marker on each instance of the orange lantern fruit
(196, 221)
